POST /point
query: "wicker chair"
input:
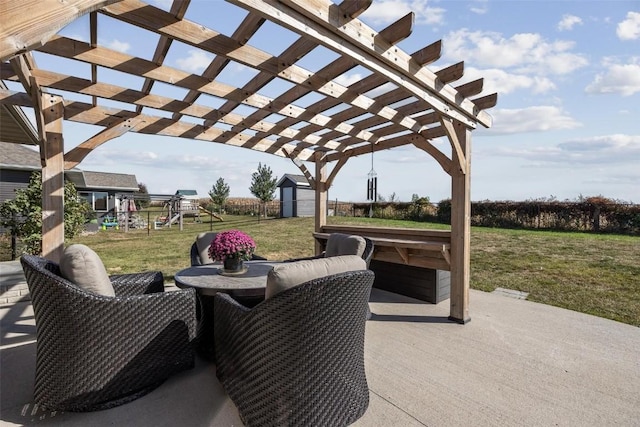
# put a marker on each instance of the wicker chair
(203, 240)
(95, 352)
(297, 359)
(367, 254)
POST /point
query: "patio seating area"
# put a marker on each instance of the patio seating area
(516, 363)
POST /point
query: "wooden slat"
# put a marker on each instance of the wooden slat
(118, 93)
(26, 24)
(178, 9)
(74, 49)
(243, 33)
(214, 42)
(485, 102)
(398, 31)
(295, 14)
(352, 9)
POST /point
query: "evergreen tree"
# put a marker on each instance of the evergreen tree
(263, 186)
(219, 193)
(23, 214)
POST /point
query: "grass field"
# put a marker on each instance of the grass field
(590, 273)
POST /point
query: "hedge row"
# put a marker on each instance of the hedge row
(590, 215)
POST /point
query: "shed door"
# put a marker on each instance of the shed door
(287, 202)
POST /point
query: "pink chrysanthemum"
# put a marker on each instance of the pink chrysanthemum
(232, 244)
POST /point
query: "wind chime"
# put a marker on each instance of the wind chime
(372, 186)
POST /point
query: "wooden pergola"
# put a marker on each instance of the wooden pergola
(414, 104)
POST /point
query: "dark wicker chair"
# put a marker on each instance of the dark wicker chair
(194, 254)
(95, 352)
(297, 359)
(366, 255)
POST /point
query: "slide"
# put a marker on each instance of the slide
(216, 216)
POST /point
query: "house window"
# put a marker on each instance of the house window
(96, 199)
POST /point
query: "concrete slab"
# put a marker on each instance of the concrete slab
(516, 363)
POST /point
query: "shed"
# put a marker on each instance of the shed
(297, 198)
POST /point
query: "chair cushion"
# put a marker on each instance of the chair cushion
(203, 240)
(82, 266)
(287, 275)
(345, 244)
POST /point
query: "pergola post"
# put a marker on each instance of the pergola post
(53, 178)
(460, 226)
(321, 196)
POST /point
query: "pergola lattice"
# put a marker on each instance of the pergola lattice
(415, 105)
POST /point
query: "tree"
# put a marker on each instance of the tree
(146, 200)
(263, 186)
(23, 214)
(219, 193)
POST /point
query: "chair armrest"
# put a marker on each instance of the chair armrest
(255, 257)
(137, 283)
(194, 255)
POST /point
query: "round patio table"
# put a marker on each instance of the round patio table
(208, 281)
(248, 289)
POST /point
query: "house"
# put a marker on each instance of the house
(297, 198)
(18, 162)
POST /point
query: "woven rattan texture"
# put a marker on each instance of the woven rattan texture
(95, 352)
(297, 359)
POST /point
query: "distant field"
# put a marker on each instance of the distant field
(590, 273)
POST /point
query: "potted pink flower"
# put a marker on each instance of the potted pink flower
(232, 247)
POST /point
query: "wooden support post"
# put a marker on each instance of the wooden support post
(321, 197)
(53, 179)
(460, 226)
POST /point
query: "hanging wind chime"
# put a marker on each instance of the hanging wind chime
(372, 186)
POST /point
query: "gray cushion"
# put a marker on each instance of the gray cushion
(287, 275)
(82, 266)
(345, 244)
(203, 240)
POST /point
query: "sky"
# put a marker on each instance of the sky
(566, 125)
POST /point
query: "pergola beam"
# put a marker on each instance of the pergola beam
(28, 24)
(77, 154)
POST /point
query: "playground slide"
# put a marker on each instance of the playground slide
(173, 220)
(216, 216)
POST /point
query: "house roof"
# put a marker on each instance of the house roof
(299, 180)
(18, 156)
(187, 192)
(102, 180)
(22, 157)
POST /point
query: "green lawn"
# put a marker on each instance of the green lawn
(590, 273)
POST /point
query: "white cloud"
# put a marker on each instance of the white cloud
(623, 79)
(629, 29)
(119, 46)
(568, 22)
(531, 119)
(606, 150)
(388, 11)
(479, 7)
(196, 62)
(524, 52)
(502, 82)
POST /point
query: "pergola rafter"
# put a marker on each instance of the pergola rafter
(400, 102)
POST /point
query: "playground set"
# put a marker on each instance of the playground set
(175, 208)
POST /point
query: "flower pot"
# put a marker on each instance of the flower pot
(233, 265)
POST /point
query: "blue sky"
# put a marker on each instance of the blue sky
(567, 123)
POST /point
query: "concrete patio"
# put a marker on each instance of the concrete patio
(516, 363)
